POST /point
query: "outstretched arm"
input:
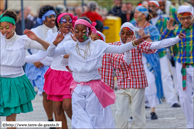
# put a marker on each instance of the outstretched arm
(53, 50)
(167, 42)
(125, 47)
(36, 57)
(33, 36)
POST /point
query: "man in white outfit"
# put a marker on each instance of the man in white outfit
(183, 55)
(161, 23)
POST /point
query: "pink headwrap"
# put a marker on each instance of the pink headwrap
(74, 18)
(86, 23)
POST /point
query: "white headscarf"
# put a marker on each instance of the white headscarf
(103, 36)
(130, 26)
(183, 9)
(159, 11)
(155, 2)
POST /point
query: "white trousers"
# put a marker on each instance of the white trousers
(133, 99)
(173, 73)
(167, 82)
(186, 95)
(88, 111)
(150, 91)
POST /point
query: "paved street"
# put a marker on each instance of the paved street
(168, 117)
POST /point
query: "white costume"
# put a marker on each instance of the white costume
(87, 110)
(167, 82)
(55, 63)
(13, 53)
(36, 75)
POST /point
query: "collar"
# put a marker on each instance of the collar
(46, 28)
(12, 39)
(158, 17)
(85, 42)
(190, 27)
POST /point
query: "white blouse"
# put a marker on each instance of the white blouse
(13, 53)
(42, 32)
(86, 69)
(56, 60)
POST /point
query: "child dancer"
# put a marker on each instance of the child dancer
(57, 77)
(36, 70)
(98, 35)
(16, 91)
(131, 77)
(90, 97)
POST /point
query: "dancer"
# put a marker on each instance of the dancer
(90, 97)
(98, 35)
(169, 11)
(36, 70)
(154, 91)
(16, 91)
(131, 77)
(57, 77)
(183, 53)
(167, 83)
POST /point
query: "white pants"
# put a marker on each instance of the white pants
(134, 98)
(173, 73)
(150, 91)
(186, 95)
(167, 82)
(88, 111)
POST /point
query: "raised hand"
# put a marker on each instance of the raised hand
(130, 39)
(140, 40)
(181, 35)
(170, 24)
(64, 30)
(141, 32)
(73, 36)
(59, 38)
(30, 34)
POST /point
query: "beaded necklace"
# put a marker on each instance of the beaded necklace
(87, 51)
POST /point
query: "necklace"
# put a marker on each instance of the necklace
(145, 25)
(87, 51)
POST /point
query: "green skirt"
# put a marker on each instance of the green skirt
(16, 95)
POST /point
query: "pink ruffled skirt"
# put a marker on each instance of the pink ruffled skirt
(57, 84)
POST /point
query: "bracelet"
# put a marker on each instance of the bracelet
(134, 43)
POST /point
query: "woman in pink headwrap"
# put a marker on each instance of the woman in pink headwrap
(91, 98)
(57, 77)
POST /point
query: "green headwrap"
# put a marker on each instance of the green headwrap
(7, 19)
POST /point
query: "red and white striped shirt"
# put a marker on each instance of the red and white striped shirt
(128, 76)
